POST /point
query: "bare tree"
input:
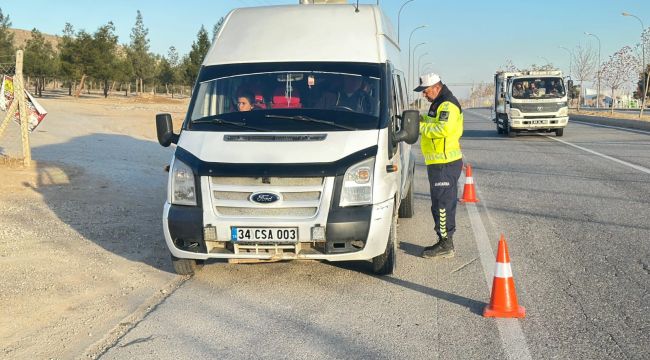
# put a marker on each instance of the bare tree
(510, 66)
(619, 69)
(545, 67)
(584, 60)
(481, 94)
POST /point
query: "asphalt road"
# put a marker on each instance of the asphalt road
(576, 216)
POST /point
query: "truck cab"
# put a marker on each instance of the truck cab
(293, 147)
(530, 101)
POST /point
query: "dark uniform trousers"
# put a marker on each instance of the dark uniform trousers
(443, 184)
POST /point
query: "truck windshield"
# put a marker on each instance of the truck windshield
(533, 88)
(270, 100)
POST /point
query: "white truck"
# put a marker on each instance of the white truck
(296, 143)
(530, 101)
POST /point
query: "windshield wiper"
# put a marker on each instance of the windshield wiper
(310, 119)
(214, 119)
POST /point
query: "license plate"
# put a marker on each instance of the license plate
(264, 234)
(538, 122)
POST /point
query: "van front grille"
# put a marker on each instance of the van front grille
(297, 197)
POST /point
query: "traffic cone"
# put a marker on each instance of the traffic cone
(503, 303)
(469, 193)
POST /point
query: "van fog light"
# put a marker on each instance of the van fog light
(517, 122)
(209, 233)
(318, 233)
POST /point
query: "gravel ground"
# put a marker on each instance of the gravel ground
(80, 241)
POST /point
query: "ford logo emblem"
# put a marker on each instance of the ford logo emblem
(264, 197)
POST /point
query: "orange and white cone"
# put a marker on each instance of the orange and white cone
(503, 303)
(469, 193)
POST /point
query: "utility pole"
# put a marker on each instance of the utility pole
(410, 76)
(570, 56)
(399, 13)
(598, 69)
(643, 67)
(19, 95)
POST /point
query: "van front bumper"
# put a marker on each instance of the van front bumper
(183, 228)
(541, 123)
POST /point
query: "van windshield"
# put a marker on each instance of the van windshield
(533, 88)
(271, 100)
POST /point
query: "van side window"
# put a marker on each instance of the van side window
(398, 98)
(400, 93)
(405, 100)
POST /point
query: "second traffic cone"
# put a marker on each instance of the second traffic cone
(469, 193)
(503, 303)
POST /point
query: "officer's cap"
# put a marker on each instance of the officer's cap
(427, 80)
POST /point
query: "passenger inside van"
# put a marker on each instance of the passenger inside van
(518, 90)
(532, 90)
(245, 102)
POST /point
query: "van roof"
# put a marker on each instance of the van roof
(303, 33)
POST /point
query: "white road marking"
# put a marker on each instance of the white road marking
(512, 337)
(633, 166)
(611, 127)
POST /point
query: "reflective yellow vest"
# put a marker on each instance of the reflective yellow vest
(440, 134)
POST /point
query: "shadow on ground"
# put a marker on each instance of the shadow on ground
(110, 189)
(365, 267)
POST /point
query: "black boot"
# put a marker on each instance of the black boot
(443, 248)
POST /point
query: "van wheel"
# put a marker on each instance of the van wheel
(559, 132)
(406, 206)
(385, 263)
(509, 131)
(185, 266)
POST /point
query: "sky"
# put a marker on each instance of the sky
(466, 41)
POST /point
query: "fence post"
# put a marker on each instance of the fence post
(19, 96)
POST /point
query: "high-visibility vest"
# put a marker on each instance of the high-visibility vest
(440, 134)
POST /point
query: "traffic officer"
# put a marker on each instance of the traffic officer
(440, 130)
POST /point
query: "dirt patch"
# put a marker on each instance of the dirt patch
(616, 115)
(133, 115)
(80, 246)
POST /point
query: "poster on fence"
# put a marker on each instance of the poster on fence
(35, 112)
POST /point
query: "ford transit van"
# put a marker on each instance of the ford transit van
(296, 143)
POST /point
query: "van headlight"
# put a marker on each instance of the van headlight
(357, 184)
(183, 187)
(515, 113)
(563, 111)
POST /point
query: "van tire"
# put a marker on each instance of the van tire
(184, 266)
(559, 132)
(406, 206)
(385, 263)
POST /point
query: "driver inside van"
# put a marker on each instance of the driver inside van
(351, 96)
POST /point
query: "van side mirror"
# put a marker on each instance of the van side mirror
(410, 130)
(570, 90)
(165, 130)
